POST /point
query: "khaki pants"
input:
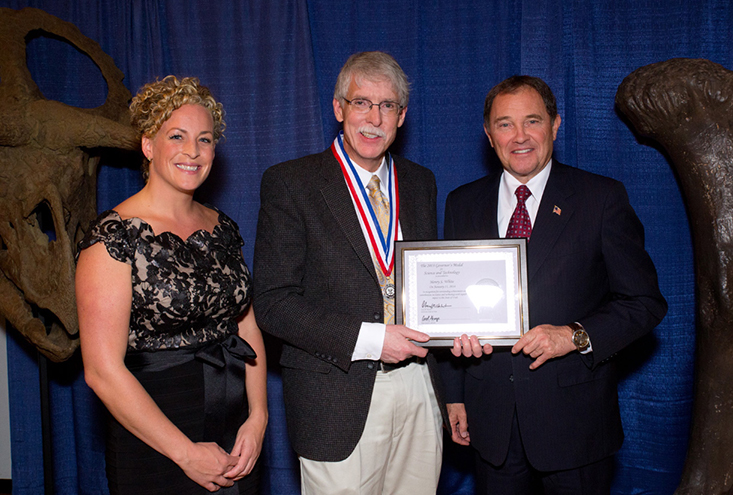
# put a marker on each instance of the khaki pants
(400, 450)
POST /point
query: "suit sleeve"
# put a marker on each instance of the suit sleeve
(448, 221)
(451, 368)
(282, 305)
(634, 305)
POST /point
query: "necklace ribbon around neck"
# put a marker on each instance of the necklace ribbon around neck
(383, 248)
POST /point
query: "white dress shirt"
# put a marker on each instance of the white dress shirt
(508, 200)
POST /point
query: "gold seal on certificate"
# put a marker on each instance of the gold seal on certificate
(448, 288)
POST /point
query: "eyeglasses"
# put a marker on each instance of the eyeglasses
(362, 105)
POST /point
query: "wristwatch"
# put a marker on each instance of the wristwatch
(580, 336)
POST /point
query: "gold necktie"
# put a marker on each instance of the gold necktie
(381, 209)
(379, 203)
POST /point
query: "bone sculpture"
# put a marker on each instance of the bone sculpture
(46, 166)
(687, 106)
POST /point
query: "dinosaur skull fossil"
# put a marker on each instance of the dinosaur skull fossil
(48, 174)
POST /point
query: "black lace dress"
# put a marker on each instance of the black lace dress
(182, 345)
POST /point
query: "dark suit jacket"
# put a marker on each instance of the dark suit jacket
(315, 283)
(586, 263)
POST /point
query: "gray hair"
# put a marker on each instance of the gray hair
(373, 66)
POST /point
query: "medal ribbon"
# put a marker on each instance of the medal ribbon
(382, 247)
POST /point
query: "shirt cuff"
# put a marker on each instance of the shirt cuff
(370, 342)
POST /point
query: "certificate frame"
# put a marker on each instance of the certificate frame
(434, 296)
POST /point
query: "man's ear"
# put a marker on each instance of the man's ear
(401, 117)
(338, 110)
(488, 135)
(555, 127)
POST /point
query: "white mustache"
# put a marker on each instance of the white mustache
(372, 130)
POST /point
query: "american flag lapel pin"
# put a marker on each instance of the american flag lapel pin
(556, 210)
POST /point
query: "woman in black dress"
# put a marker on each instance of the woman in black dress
(168, 336)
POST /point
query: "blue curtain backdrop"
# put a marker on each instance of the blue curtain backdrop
(274, 64)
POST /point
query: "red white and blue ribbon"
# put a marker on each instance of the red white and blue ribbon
(382, 247)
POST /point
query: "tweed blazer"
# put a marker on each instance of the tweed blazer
(314, 285)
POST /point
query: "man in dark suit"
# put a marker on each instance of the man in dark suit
(361, 409)
(543, 416)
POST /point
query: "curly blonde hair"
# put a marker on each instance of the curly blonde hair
(156, 101)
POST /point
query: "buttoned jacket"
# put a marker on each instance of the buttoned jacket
(587, 264)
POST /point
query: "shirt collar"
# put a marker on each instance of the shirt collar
(365, 176)
(536, 184)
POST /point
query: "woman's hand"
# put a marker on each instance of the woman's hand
(248, 446)
(206, 463)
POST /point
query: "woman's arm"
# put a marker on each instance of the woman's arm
(248, 444)
(104, 299)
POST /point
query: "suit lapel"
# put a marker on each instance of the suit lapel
(405, 196)
(483, 218)
(338, 199)
(553, 215)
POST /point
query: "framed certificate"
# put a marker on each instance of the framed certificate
(448, 288)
